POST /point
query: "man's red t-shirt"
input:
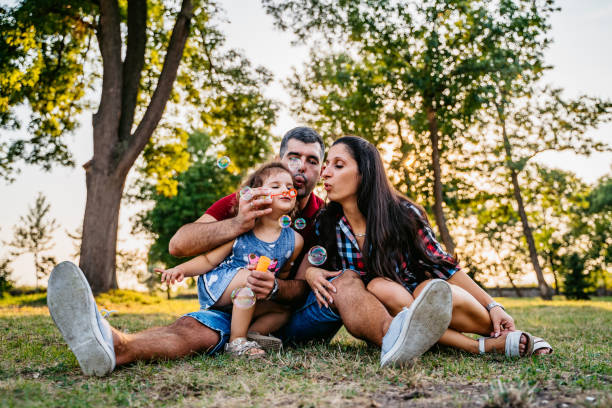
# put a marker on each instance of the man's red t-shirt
(226, 208)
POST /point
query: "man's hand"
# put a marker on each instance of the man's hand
(249, 210)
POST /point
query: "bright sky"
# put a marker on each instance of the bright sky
(579, 53)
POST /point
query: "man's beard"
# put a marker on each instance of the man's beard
(303, 191)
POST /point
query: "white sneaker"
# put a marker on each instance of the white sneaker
(74, 311)
(415, 329)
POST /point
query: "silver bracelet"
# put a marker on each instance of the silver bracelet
(492, 305)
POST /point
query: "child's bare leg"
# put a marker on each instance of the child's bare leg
(269, 317)
(241, 316)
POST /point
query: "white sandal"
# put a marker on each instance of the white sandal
(540, 343)
(513, 341)
(242, 347)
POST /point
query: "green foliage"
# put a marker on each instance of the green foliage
(34, 234)
(197, 188)
(587, 262)
(45, 47)
(6, 271)
(219, 92)
(577, 285)
(51, 62)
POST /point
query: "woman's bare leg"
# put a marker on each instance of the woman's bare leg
(467, 315)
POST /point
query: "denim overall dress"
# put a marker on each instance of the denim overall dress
(211, 285)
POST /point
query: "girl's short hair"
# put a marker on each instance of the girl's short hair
(258, 178)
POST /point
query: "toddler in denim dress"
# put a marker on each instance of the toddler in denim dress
(223, 271)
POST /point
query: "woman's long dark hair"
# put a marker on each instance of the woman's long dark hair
(392, 227)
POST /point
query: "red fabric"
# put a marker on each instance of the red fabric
(222, 209)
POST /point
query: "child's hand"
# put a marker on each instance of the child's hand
(170, 276)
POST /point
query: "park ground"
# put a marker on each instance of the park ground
(38, 370)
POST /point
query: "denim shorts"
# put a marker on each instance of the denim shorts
(216, 320)
(309, 322)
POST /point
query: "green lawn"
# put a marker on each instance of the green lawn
(37, 368)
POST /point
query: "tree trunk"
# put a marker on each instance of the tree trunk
(99, 244)
(435, 163)
(516, 288)
(115, 148)
(545, 291)
(552, 269)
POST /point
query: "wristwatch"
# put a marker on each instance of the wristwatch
(274, 290)
(492, 305)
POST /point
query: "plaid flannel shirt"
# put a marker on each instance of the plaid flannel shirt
(351, 257)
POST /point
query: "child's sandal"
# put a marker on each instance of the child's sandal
(242, 347)
(269, 343)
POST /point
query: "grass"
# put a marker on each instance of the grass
(38, 369)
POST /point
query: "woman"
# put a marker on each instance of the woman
(369, 227)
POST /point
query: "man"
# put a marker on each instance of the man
(98, 347)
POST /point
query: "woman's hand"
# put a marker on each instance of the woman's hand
(170, 276)
(502, 321)
(322, 288)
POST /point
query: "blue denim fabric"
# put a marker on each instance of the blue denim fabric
(311, 322)
(216, 320)
(213, 284)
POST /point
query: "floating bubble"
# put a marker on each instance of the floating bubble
(300, 223)
(284, 221)
(223, 162)
(317, 255)
(243, 298)
(294, 164)
(246, 193)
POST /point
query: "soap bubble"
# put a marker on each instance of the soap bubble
(246, 193)
(223, 162)
(294, 164)
(317, 255)
(284, 221)
(243, 298)
(300, 223)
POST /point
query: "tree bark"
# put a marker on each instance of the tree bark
(516, 288)
(545, 292)
(115, 150)
(98, 248)
(435, 162)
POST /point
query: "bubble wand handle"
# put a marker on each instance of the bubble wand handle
(263, 263)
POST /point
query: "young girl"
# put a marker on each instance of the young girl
(223, 273)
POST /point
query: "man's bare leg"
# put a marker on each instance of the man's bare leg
(183, 337)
